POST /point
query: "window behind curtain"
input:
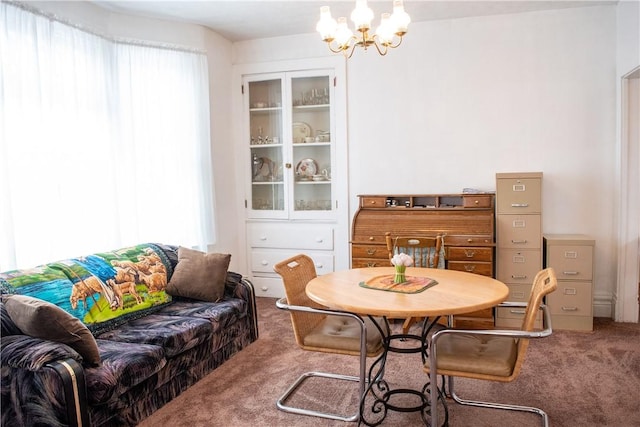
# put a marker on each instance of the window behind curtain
(102, 144)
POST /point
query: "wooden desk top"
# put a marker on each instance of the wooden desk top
(456, 293)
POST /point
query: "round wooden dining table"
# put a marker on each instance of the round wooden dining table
(429, 293)
(455, 292)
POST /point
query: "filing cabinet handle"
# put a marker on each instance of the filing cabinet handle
(570, 273)
(469, 268)
(519, 277)
(371, 251)
(569, 308)
(469, 253)
(519, 205)
(516, 312)
(518, 242)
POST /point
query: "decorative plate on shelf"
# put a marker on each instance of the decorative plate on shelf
(306, 168)
(301, 130)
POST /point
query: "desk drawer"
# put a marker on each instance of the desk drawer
(481, 268)
(370, 251)
(470, 254)
(477, 201)
(468, 240)
(369, 262)
(373, 202)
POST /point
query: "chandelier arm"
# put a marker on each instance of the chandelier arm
(353, 49)
(393, 46)
(380, 51)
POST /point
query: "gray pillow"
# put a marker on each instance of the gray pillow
(199, 275)
(41, 319)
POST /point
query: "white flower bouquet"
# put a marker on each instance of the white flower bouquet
(401, 261)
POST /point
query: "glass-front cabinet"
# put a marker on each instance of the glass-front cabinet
(289, 132)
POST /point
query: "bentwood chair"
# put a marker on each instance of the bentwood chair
(426, 251)
(317, 328)
(492, 355)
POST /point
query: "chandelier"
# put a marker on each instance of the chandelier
(340, 38)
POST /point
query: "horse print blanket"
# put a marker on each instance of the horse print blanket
(103, 290)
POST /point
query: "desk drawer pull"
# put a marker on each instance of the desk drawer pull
(469, 268)
(372, 264)
(371, 251)
(469, 254)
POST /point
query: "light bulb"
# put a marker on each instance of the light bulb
(400, 18)
(326, 25)
(385, 31)
(362, 16)
(343, 33)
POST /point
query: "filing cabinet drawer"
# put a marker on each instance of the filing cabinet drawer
(482, 268)
(518, 266)
(519, 293)
(571, 299)
(262, 261)
(571, 262)
(511, 317)
(470, 254)
(295, 236)
(519, 195)
(519, 231)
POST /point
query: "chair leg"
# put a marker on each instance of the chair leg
(407, 324)
(301, 411)
(504, 406)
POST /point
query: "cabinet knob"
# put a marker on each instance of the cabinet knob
(264, 262)
(264, 289)
(319, 240)
(371, 238)
(319, 266)
(476, 201)
(469, 240)
(373, 202)
(263, 238)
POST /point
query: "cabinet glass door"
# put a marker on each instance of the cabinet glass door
(311, 141)
(266, 139)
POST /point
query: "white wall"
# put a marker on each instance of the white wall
(463, 99)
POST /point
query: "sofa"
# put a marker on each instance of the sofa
(107, 339)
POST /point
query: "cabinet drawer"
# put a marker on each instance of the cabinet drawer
(571, 262)
(370, 251)
(291, 236)
(518, 266)
(519, 231)
(519, 195)
(262, 261)
(511, 317)
(373, 202)
(482, 268)
(572, 299)
(470, 254)
(519, 293)
(477, 201)
(468, 240)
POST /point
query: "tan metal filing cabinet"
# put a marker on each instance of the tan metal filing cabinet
(518, 239)
(571, 305)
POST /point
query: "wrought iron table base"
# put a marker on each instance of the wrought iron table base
(379, 389)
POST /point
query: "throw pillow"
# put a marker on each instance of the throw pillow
(199, 275)
(41, 319)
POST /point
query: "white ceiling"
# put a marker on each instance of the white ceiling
(238, 20)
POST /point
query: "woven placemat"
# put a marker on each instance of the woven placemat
(413, 285)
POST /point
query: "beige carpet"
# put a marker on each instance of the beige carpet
(579, 378)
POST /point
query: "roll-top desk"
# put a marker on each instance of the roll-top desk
(467, 222)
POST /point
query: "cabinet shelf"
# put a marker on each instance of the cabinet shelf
(311, 144)
(314, 107)
(264, 145)
(265, 110)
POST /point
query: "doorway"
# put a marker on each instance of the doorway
(628, 286)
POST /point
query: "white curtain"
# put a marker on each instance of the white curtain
(102, 144)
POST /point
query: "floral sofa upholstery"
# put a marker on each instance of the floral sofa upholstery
(136, 344)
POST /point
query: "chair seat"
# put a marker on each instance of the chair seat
(478, 354)
(343, 333)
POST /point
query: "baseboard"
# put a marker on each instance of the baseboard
(603, 304)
